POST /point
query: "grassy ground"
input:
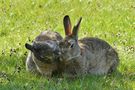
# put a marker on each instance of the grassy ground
(22, 20)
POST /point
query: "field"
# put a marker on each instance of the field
(22, 20)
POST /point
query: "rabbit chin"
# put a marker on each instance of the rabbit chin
(69, 57)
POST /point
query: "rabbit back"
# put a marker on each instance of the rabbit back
(99, 57)
(48, 35)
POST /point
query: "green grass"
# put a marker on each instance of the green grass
(22, 20)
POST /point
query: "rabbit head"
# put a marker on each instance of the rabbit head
(45, 51)
(69, 45)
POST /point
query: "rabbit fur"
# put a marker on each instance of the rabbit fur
(42, 58)
(88, 55)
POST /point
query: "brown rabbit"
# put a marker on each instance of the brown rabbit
(42, 58)
(87, 55)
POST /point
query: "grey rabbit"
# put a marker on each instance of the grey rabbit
(88, 55)
(42, 58)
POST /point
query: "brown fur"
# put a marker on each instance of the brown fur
(87, 55)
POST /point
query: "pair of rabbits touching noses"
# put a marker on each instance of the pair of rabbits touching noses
(50, 54)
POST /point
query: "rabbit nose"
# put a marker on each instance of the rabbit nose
(57, 52)
(62, 51)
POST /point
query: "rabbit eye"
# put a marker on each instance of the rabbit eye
(72, 45)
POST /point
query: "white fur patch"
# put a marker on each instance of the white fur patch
(52, 45)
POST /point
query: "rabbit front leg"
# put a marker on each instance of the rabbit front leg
(30, 65)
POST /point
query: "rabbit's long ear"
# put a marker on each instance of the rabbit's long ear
(67, 25)
(76, 28)
(29, 47)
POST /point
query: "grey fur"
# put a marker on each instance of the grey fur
(41, 58)
(88, 55)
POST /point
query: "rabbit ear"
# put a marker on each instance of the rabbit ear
(28, 46)
(76, 28)
(34, 42)
(67, 25)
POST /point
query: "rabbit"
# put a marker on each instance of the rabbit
(88, 55)
(42, 58)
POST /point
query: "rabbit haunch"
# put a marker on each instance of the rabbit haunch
(42, 58)
(87, 55)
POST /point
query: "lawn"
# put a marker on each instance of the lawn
(22, 20)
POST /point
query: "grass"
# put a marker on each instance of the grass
(22, 20)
